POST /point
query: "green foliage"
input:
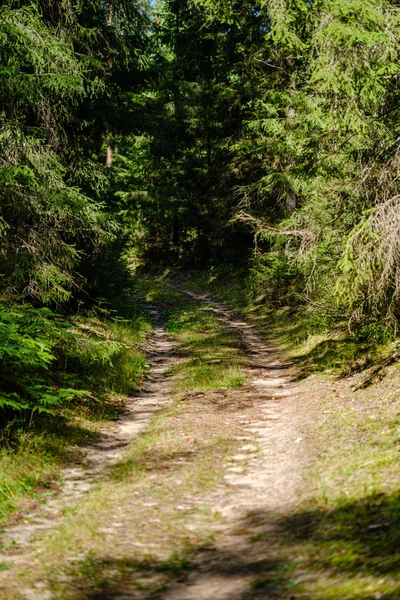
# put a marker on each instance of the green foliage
(47, 359)
(370, 276)
(177, 177)
(273, 279)
(106, 357)
(40, 427)
(26, 355)
(62, 67)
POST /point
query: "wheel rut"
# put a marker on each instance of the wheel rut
(99, 457)
(266, 476)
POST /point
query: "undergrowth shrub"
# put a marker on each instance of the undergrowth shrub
(48, 360)
(272, 279)
(26, 339)
(107, 355)
(370, 273)
(268, 278)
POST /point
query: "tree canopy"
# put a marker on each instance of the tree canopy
(189, 133)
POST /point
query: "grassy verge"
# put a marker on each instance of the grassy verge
(100, 353)
(343, 540)
(137, 531)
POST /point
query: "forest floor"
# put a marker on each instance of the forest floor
(228, 476)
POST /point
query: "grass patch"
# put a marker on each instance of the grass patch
(273, 582)
(29, 467)
(345, 536)
(211, 357)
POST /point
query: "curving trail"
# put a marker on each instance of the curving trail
(276, 396)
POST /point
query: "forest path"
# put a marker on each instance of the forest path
(271, 387)
(229, 531)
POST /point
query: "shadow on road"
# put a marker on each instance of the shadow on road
(353, 551)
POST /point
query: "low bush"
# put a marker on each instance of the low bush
(27, 336)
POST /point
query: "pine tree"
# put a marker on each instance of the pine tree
(57, 101)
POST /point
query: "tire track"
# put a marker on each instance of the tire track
(252, 500)
(99, 457)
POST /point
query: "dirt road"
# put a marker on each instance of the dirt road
(259, 482)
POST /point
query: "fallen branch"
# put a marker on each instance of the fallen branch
(263, 225)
